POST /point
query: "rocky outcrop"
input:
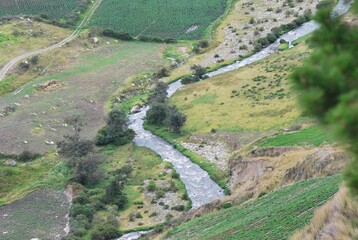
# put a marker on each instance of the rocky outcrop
(270, 151)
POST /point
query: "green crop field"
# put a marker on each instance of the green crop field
(274, 216)
(186, 19)
(54, 9)
(313, 136)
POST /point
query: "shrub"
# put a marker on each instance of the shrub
(203, 44)
(151, 186)
(115, 195)
(27, 156)
(78, 209)
(159, 194)
(86, 169)
(157, 113)
(105, 231)
(121, 36)
(176, 120)
(190, 79)
(160, 93)
(116, 131)
(179, 208)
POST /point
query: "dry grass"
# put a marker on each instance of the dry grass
(224, 102)
(334, 220)
(46, 34)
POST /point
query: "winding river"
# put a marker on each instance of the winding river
(200, 187)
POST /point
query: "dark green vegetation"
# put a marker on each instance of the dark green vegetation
(313, 136)
(328, 82)
(21, 219)
(187, 19)
(274, 216)
(163, 114)
(62, 11)
(116, 131)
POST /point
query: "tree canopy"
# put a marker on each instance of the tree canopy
(328, 82)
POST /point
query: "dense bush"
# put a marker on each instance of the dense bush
(328, 82)
(157, 114)
(115, 195)
(277, 32)
(105, 231)
(116, 131)
(117, 35)
(27, 156)
(73, 145)
(86, 170)
(78, 209)
(160, 94)
(190, 79)
(161, 113)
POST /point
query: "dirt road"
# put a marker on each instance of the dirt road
(75, 33)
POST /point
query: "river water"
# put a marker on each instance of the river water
(201, 189)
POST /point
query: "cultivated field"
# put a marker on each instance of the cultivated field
(274, 216)
(54, 9)
(187, 19)
(40, 215)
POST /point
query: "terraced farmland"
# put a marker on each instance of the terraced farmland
(186, 19)
(54, 9)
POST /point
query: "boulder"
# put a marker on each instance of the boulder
(11, 163)
(136, 109)
(95, 40)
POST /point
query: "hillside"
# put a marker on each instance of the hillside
(273, 216)
(168, 120)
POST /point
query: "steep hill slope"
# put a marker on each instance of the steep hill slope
(274, 216)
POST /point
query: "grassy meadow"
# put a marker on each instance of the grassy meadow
(186, 19)
(257, 97)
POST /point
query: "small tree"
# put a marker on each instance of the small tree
(176, 120)
(73, 146)
(116, 131)
(115, 195)
(157, 113)
(160, 93)
(198, 71)
(87, 169)
(328, 82)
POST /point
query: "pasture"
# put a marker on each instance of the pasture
(186, 19)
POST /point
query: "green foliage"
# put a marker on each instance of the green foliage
(273, 216)
(105, 231)
(176, 120)
(157, 114)
(73, 145)
(121, 36)
(328, 82)
(313, 136)
(151, 186)
(86, 169)
(78, 209)
(160, 93)
(116, 131)
(161, 113)
(187, 19)
(27, 156)
(114, 191)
